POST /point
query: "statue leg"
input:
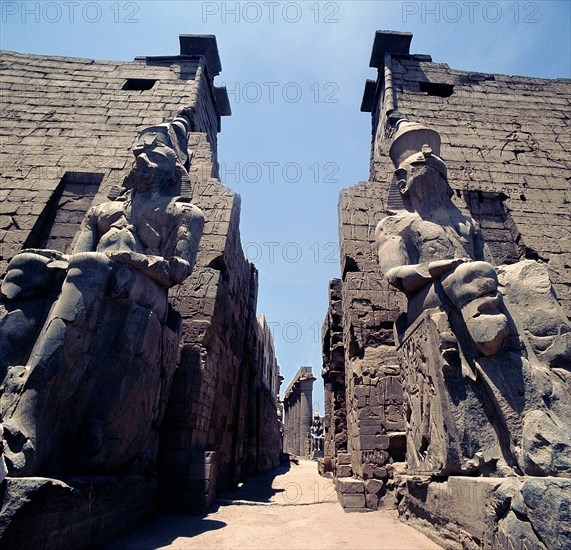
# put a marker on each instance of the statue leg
(33, 416)
(32, 283)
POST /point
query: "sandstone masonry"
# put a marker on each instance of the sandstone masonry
(508, 168)
(67, 130)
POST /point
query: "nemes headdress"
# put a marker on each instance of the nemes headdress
(173, 135)
(412, 144)
(411, 139)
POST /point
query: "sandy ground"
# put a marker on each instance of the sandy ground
(289, 509)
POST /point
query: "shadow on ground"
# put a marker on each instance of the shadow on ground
(255, 489)
(164, 529)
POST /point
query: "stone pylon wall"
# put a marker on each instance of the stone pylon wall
(336, 459)
(508, 170)
(67, 130)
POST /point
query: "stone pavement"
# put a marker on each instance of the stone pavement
(288, 509)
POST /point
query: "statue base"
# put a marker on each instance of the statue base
(490, 513)
(82, 512)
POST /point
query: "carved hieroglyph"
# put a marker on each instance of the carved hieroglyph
(486, 356)
(92, 390)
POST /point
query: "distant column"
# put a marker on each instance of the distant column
(295, 420)
(305, 413)
(298, 411)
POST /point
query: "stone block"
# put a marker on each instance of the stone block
(374, 442)
(372, 471)
(373, 486)
(343, 458)
(343, 470)
(544, 505)
(350, 486)
(461, 503)
(371, 501)
(350, 501)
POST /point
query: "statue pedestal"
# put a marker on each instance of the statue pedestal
(490, 513)
(83, 512)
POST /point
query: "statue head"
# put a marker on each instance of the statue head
(415, 154)
(316, 418)
(161, 159)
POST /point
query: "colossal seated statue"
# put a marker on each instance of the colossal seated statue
(91, 395)
(485, 351)
(432, 252)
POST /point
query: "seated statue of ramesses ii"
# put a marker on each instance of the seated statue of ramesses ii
(515, 337)
(93, 391)
(432, 252)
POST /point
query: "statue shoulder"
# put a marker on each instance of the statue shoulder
(395, 224)
(107, 208)
(182, 208)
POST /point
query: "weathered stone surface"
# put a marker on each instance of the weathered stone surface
(352, 502)
(350, 486)
(486, 373)
(465, 512)
(528, 293)
(468, 353)
(82, 513)
(448, 430)
(432, 252)
(455, 512)
(68, 124)
(333, 373)
(541, 516)
(33, 284)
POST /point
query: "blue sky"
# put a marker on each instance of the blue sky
(295, 73)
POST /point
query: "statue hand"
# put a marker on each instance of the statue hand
(179, 268)
(438, 267)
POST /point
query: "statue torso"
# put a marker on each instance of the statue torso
(427, 240)
(147, 227)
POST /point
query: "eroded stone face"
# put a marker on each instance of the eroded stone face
(93, 391)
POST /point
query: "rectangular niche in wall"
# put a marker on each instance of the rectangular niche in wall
(59, 221)
(141, 84)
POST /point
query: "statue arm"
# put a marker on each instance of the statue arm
(411, 278)
(395, 261)
(88, 233)
(190, 227)
(168, 272)
(165, 273)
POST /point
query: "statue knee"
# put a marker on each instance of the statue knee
(88, 263)
(470, 281)
(30, 274)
